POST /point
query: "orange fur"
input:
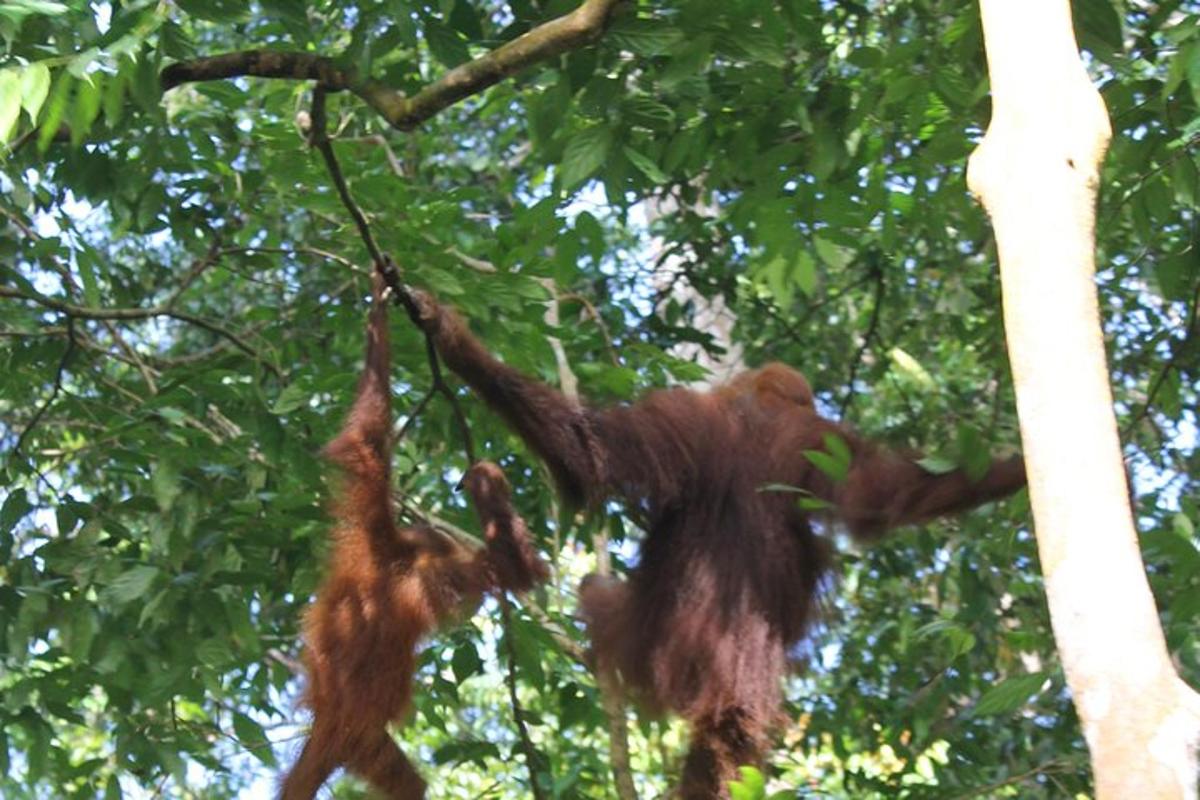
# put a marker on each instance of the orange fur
(730, 571)
(387, 588)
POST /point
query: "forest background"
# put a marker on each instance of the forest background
(709, 185)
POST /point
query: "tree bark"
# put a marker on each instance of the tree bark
(1036, 171)
(571, 31)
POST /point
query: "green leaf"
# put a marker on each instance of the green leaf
(35, 86)
(214, 652)
(834, 468)
(166, 484)
(1098, 26)
(649, 113)
(80, 633)
(15, 507)
(836, 446)
(253, 738)
(446, 44)
(10, 102)
(54, 109)
(644, 37)
(776, 273)
(88, 96)
(113, 101)
(959, 639)
(814, 504)
(17, 10)
(216, 10)
(645, 165)
(836, 256)
(866, 57)
(937, 465)
(911, 368)
(87, 276)
(131, 585)
(758, 45)
(973, 453)
(291, 398)
(751, 785)
(585, 153)
(1009, 695)
(465, 662)
(805, 272)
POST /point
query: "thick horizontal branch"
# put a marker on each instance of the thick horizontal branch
(580, 27)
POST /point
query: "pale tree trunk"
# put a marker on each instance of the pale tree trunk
(612, 697)
(712, 316)
(1036, 172)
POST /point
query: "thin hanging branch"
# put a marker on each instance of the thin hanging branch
(533, 758)
(319, 138)
(612, 698)
(580, 27)
(1172, 363)
(875, 273)
(54, 392)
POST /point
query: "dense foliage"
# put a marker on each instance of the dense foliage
(181, 313)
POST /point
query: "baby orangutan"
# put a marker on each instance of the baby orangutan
(387, 588)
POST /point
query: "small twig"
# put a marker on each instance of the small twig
(872, 327)
(594, 314)
(1042, 769)
(440, 386)
(567, 381)
(291, 251)
(412, 513)
(414, 414)
(569, 646)
(477, 264)
(533, 759)
(1140, 180)
(131, 356)
(279, 657)
(84, 312)
(379, 141)
(487, 790)
(196, 270)
(54, 392)
(1172, 363)
(319, 138)
(19, 223)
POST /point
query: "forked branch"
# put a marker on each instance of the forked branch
(571, 31)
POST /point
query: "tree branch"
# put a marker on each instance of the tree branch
(612, 700)
(582, 26)
(534, 761)
(1172, 363)
(58, 380)
(384, 265)
(83, 312)
(872, 327)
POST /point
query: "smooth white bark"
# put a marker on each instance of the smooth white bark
(1036, 171)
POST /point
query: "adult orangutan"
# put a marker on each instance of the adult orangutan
(388, 587)
(729, 573)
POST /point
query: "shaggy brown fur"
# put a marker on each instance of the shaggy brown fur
(729, 573)
(387, 588)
